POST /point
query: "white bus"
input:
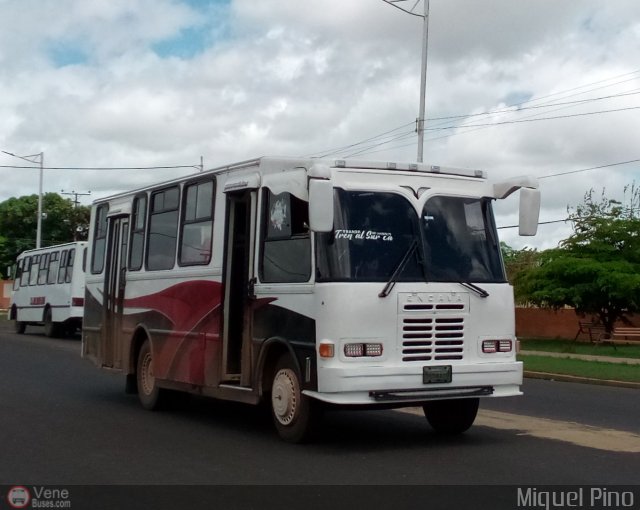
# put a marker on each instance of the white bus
(48, 289)
(309, 284)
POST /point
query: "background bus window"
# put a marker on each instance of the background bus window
(137, 232)
(286, 248)
(52, 272)
(64, 260)
(163, 229)
(42, 270)
(17, 275)
(35, 263)
(26, 268)
(197, 224)
(100, 239)
(68, 269)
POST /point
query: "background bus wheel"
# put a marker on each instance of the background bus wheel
(50, 328)
(20, 327)
(451, 416)
(151, 397)
(294, 414)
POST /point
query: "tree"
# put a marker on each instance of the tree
(597, 269)
(516, 261)
(62, 222)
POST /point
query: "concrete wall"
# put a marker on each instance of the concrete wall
(6, 286)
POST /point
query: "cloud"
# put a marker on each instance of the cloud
(163, 82)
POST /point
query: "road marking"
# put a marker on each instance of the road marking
(569, 432)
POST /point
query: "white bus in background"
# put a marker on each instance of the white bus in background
(309, 284)
(48, 289)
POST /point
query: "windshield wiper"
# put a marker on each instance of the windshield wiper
(478, 290)
(394, 277)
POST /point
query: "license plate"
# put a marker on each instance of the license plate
(436, 375)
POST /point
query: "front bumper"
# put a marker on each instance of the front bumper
(385, 385)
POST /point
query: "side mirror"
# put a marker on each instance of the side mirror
(529, 211)
(320, 205)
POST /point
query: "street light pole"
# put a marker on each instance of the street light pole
(423, 80)
(423, 75)
(32, 159)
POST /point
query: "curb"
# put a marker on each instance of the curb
(583, 380)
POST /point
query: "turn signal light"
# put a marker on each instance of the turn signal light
(77, 301)
(325, 350)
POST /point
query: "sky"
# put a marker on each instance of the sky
(549, 88)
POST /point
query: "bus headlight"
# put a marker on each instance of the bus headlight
(360, 350)
(491, 346)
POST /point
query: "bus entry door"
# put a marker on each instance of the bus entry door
(115, 281)
(241, 211)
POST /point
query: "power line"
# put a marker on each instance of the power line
(106, 168)
(475, 127)
(590, 168)
(510, 110)
(520, 121)
(327, 152)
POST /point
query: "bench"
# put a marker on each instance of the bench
(621, 335)
(594, 330)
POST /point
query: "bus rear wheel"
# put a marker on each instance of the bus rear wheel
(295, 415)
(51, 329)
(150, 395)
(451, 416)
(20, 327)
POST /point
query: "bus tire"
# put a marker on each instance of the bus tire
(295, 415)
(451, 416)
(150, 395)
(20, 327)
(51, 329)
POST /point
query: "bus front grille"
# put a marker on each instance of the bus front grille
(432, 338)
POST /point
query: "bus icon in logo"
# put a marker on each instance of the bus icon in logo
(18, 497)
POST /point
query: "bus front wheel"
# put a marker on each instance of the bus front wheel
(451, 416)
(294, 414)
(150, 395)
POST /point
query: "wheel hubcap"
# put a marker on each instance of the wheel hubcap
(147, 378)
(284, 396)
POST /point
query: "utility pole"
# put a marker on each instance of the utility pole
(35, 158)
(75, 196)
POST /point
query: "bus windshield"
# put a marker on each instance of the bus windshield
(373, 231)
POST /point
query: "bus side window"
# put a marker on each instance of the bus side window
(99, 239)
(52, 272)
(163, 229)
(42, 270)
(63, 266)
(138, 223)
(18, 275)
(68, 271)
(286, 248)
(197, 224)
(26, 267)
(33, 276)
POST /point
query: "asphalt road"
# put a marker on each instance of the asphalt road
(63, 421)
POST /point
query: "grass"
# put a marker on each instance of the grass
(570, 347)
(581, 368)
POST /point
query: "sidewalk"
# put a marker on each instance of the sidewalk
(585, 380)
